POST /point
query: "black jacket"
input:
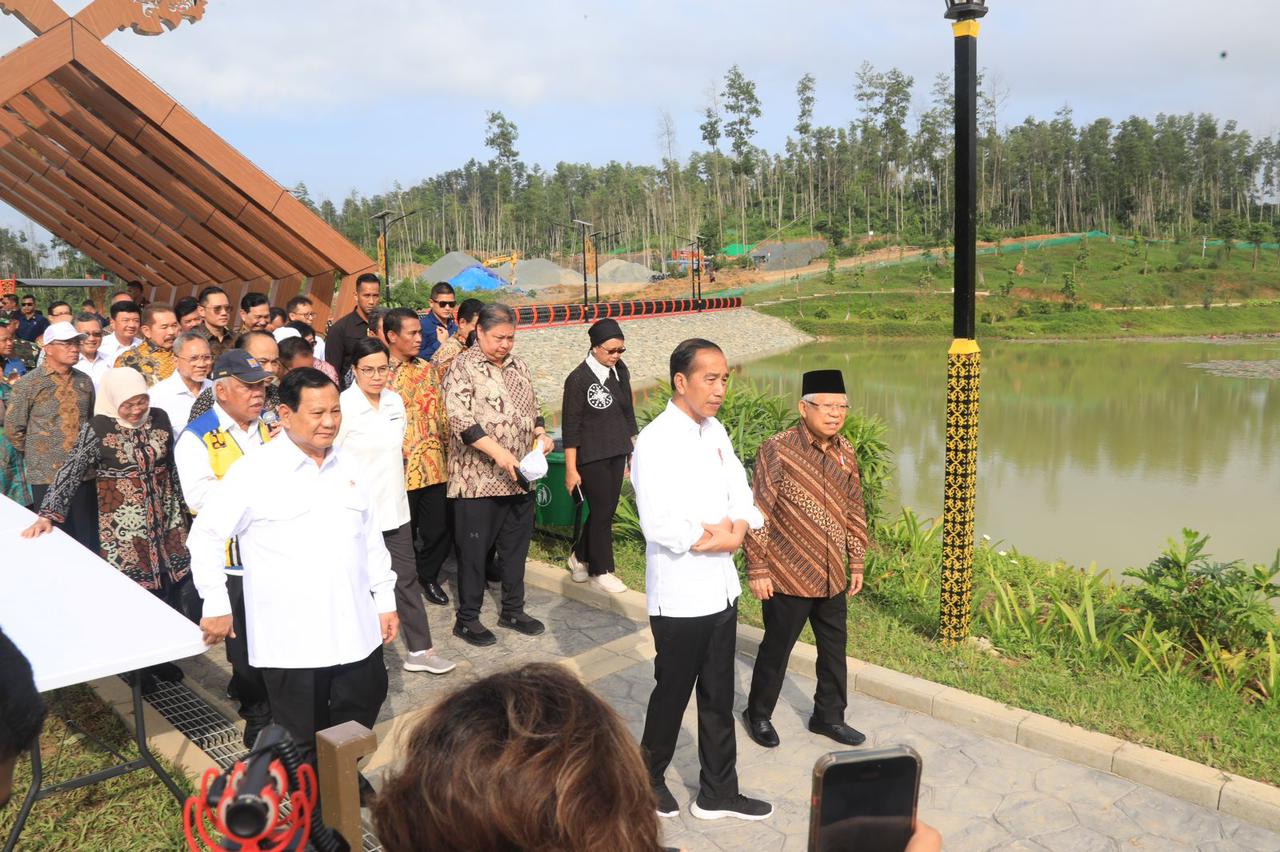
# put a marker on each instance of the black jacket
(598, 419)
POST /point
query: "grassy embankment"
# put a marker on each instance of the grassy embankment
(131, 813)
(1201, 679)
(1121, 290)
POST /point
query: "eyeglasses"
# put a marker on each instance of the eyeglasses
(829, 407)
(617, 351)
(74, 344)
(219, 309)
(373, 372)
(97, 335)
(195, 359)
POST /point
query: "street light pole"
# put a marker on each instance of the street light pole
(385, 222)
(964, 360)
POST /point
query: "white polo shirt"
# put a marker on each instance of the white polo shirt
(111, 347)
(176, 399)
(93, 368)
(374, 440)
(685, 475)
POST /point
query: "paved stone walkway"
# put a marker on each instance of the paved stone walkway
(980, 792)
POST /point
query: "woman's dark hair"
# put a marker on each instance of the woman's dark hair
(469, 310)
(293, 347)
(366, 346)
(495, 314)
(524, 759)
(302, 328)
(683, 356)
(296, 381)
(393, 322)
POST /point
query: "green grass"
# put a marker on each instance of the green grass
(130, 813)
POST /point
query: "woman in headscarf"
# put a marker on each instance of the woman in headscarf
(599, 428)
(142, 523)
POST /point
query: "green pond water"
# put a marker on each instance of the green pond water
(1088, 452)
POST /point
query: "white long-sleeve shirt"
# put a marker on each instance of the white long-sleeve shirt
(374, 440)
(317, 573)
(177, 400)
(686, 474)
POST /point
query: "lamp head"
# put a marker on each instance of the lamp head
(963, 10)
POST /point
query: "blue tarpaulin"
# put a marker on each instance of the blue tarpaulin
(477, 278)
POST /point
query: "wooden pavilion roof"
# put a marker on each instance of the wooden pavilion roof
(99, 155)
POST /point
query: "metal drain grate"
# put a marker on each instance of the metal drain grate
(214, 734)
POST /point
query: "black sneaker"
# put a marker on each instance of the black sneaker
(526, 624)
(739, 807)
(474, 633)
(667, 806)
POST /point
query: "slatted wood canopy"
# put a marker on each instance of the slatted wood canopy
(99, 155)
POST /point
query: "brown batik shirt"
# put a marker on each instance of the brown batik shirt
(814, 519)
(43, 419)
(155, 364)
(487, 399)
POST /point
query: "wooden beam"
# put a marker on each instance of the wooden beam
(39, 16)
(319, 235)
(118, 75)
(320, 291)
(35, 60)
(285, 289)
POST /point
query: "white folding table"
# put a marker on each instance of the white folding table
(77, 618)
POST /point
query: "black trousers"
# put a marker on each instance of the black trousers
(601, 485)
(305, 701)
(694, 653)
(409, 606)
(504, 524)
(784, 618)
(82, 515)
(247, 684)
(431, 524)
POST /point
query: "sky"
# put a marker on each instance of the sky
(358, 95)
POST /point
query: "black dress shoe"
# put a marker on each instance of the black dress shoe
(762, 733)
(474, 633)
(838, 731)
(435, 594)
(526, 624)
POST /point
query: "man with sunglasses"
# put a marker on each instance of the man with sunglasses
(438, 324)
(215, 315)
(31, 323)
(92, 362)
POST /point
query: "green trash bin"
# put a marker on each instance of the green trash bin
(554, 506)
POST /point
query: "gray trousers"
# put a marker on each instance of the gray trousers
(409, 605)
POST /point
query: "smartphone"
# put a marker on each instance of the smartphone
(269, 417)
(864, 800)
(522, 480)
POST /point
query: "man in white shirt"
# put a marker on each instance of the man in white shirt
(695, 507)
(176, 394)
(92, 363)
(208, 448)
(301, 309)
(126, 319)
(319, 589)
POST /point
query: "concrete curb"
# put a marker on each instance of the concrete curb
(1197, 783)
(163, 739)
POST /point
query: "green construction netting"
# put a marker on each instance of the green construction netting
(736, 249)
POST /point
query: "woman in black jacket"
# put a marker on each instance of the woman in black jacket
(599, 425)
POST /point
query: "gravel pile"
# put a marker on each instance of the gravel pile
(448, 266)
(743, 334)
(790, 255)
(533, 274)
(617, 271)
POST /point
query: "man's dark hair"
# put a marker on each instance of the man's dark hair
(469, 310)
(292, 347)
(89, 303)
(137, 284)
(441, 287)
(125, 308)
(683, 356)
(367, 278)
(243, 339)
(278, 313)
(365, 347)
(296, 381)
(377, 317)
(150, 312)
(296, 302)
(249, 301)
(88, 316)
(22, 710)
(186, 306)
(396, 318)
(301, 327)
(26, 296)
(213, 290)
(57, 304)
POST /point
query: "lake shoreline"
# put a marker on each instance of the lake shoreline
(1217, 339)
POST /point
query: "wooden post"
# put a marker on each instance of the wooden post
(337, 751)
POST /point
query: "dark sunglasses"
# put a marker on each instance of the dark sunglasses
(617, 351)
(446, 304)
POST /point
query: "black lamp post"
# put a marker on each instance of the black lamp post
(964, 360)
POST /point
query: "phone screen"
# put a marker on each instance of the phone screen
(867, 805)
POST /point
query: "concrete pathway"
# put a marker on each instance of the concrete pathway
(981, 793)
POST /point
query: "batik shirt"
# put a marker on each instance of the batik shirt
(155, 364)
(426, 427)
(43, 419)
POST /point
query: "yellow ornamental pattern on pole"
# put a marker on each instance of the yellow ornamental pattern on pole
(964, 370)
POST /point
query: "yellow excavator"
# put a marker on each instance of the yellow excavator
(501, 259)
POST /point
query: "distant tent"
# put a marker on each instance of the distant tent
(477, 278)
(736, 250)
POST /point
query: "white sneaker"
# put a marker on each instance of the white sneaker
(579, 569)
(428, 661)
(609, 583)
